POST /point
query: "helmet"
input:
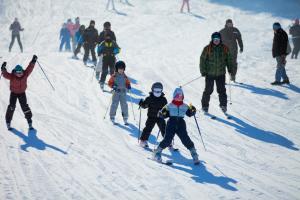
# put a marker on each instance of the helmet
(106, 24)
(120, 65)
(18, 69)
(157, 85)
(216, 35)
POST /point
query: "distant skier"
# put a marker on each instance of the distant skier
(73, 30)
(295, 32)
(18, 84)
(231, 36)
(154, 102)
(79, 40)
(107, 30)
(120, 83)
(64, 38)
(15, 28)
(112, 3)
(187, 3)
(214, 59)
(279, 52)
(108, 49)
(90, 39)
(176, 125)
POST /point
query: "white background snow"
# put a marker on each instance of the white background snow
(75, 154)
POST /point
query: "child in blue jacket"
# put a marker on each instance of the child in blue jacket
(64, 37)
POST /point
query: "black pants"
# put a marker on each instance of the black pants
(13, 37)
(108, 62)
(12, 106)
(296, 49)
(87, 49)
(150, 123)
(209, 88)
(176, 125)
(77, 50)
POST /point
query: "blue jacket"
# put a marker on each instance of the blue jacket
(78, 37)
(108, 48)
(171, 110)
(65, 34)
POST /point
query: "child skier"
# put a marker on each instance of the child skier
(18, 85)
(176, 124)
(120, 84)
(64, 37)
(154, 102)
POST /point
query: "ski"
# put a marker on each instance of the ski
(210, 115)
(166, 162)
(227, 115)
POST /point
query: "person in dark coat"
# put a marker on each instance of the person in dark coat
(107, 30)
(18, 85)
(65, 38)
(90, 39)
(295, 32)
(154, 102)
(279, 52)
(15, 28)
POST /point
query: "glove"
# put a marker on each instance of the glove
(192, 109)
(3, 67)
(34, 59)
(160, 114)
(141, 102)
(129, 87)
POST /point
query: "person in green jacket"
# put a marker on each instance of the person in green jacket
(214, 59)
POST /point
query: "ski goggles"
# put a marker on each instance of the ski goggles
(157, 91)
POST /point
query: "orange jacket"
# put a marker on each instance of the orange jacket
(111, 81)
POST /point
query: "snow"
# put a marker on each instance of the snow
(76, 154)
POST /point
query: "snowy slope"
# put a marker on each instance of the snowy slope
(75, 154)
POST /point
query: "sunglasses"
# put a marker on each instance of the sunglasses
(216, 39)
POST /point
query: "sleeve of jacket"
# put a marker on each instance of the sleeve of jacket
(111, 81)
(29, 69)
(228, 60)
(100, 49)
(285, 40)
(114, 36)
(7, 75)
(239, 39)
(145, 104)
(203, 61)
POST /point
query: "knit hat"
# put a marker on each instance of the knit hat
(120, 65)
(18, 69)
(229, 21)
(276, 26)
(216, 35)
(178, 94)
(92, 22)
(106, 24)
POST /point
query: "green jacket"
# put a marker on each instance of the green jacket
(215, 59)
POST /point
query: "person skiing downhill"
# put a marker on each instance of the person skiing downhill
(90, 39)
(175, 111)
(295, 32)
(18, 85)
(15, 28)
(154, 102)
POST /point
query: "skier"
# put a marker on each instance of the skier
(295, 32)
(230, 37)
(120, 83)
(64, 38)
(187, 2)
(79, 40)
(73, 28)
(112, 3)
(154, 102)
(107, 30)
(107, 49)
(18, 84)
(279, 52)
(176, 125)
(214, 59)
(15, 28)
(90, 38)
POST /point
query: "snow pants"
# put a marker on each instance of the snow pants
(296, 49)
(280, 69)
(119, 97)
(13, 37)
(107, 62)
(150, 123)
(66, 42)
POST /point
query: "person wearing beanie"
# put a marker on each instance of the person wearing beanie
(214, 59)
(18, 85)
(120, 83)
(154, 102)
(107, 52)
(176, 111)
(90, 39)
(232, 38)
(295, 32)
(279, 52)
(107, 30)
(187, 2)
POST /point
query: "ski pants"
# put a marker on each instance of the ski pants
(13, 37)
(209, 88)
(12, 106)
(66, 42)
(87, 49)
(183, 3)
(280, 69)
(107, 62)
(176, 125)
(119, 97)
(296, 49)
(77, 50)
(150, 123)
(113, 4)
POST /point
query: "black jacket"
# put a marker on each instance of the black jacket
(154, 104)
(102, 36)
(295, 31)
(280, 42)
(90, 36)
(15, 28)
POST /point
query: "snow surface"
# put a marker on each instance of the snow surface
(75, 154)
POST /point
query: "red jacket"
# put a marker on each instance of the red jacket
(18, 85)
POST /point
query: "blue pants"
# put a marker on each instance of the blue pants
(176, 125)
(63, 42)
(280, 71)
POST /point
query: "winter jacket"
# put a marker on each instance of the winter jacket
(15, 28)
(102, 36)
(154, 104)
(280, 43)
(230, 37)
(65, 34)
(214, 60)
(90, 36)
(108, 48)
(173, 111)
(295, 31)
(78, 37)
(119, 82)
(18, 85)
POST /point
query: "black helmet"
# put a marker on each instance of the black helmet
(92, 22)
(157, 85)
(120, 65)
(106, 24)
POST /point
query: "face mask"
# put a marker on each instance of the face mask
(157, 92)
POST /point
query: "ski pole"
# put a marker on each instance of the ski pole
(131, 104)
(199, 132)
(140, 124)
(109, 104)
(190, 81)
(156, 140)
(45, 75)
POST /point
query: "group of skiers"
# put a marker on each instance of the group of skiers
(220, 54)
(68, 33)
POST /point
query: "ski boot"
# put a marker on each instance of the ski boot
(102, 86)
(30, 126)
(286, 81)
(97, 75)
(144, 144)
(113, 121)
(205, 109)
(224, 109)
(8, 126)
(125, 122)
(276, 83)
(157, 154)
(195, 156)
